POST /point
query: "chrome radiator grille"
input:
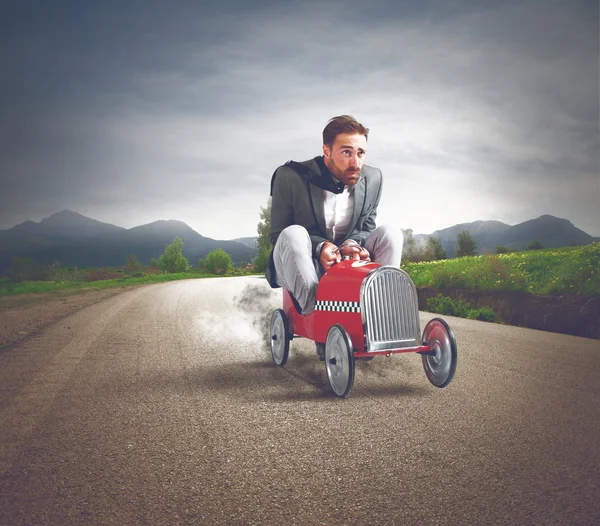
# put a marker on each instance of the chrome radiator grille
(390, 310)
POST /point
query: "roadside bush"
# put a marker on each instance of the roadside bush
(452, 307)
(99, 274)
(24, 269)
(262, 259)
(132, 264)
(503, 249)
(445, 305)
(172, 260)
(535, 245)
(58, 273)
(482, 314)
(218, 262)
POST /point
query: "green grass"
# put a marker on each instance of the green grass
(571, 270)
(455, 307)
(34, 287)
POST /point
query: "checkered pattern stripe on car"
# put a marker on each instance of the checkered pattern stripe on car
(339, 306)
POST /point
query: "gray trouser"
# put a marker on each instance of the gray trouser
(299, 273)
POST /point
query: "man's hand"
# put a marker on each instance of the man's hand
(330, 255)
(353, 250)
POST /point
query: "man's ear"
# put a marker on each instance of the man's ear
(326, 150)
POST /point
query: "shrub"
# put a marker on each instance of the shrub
(453, 307)
(173, 260)
(262, 259)
(465, 245)
(482, 314)
(502, 249)
(100, 274)
(445, 305)
(218, 262)
(132, 264)
(25, 269)
(434, 249)
(535, 245)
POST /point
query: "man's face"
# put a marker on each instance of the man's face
(345, 157)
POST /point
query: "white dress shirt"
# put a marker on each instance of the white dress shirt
(338, 211)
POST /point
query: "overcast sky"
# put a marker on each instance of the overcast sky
(130, 112)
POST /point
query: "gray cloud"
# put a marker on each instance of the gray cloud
(130, 115)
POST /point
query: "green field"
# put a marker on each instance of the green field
(571, 270)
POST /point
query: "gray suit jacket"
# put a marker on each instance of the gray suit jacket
(297, 200)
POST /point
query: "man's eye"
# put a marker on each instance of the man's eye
(346, 152)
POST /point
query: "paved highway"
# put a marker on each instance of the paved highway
(162, 406)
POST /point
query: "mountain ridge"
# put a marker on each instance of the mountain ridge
(550, 231)
(77, 240)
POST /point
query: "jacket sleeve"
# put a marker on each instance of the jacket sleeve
(282, 208)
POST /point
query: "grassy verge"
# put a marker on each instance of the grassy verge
(35, 287)
(572, 270)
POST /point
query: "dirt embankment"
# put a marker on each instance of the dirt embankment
(578, 315)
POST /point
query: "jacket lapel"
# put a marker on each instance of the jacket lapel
(359, 202)
(316, 196)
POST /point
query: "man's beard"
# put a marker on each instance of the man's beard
(342, 175)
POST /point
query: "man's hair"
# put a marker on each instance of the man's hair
(342, 124)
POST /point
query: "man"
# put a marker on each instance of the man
(324, 209)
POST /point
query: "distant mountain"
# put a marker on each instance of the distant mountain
(250, 242)
(550, 231)
(476, 228)
(66, 224)
(76, 240)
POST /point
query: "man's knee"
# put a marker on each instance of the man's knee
(295, 237)
(385, 245)
(390, 235)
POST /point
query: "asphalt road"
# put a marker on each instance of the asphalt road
(161, 406)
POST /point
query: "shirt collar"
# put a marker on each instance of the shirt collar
(339, 186)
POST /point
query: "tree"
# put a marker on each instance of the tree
(435, 250)
(264, 242)
(410, 250)
(535, 245)
(218, 261)
(173, 260)
(465, 245)
(502, 249)
(132, 263)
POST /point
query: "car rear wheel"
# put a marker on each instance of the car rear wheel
(279, 337)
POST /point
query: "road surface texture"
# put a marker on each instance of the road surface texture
(161, 405)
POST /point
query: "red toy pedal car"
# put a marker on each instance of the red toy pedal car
(364, 309)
